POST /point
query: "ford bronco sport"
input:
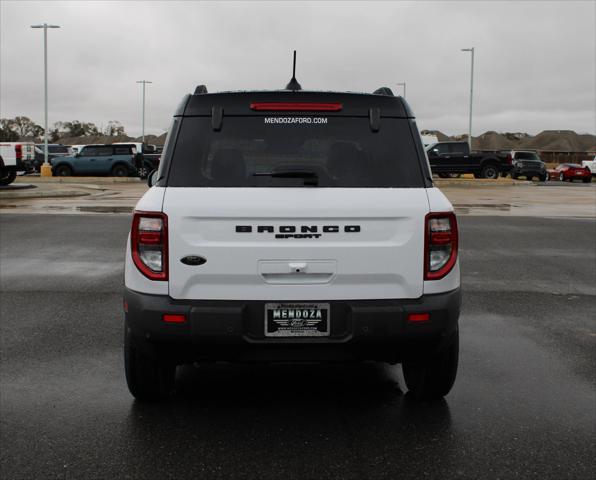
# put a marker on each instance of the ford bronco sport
(292, 226)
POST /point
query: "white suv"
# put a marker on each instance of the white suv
(292, 226)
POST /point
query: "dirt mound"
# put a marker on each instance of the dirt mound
(495, 141)
(558, 140)
(440, 135)
(161, 139)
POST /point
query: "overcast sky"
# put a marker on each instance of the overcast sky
(534, 65)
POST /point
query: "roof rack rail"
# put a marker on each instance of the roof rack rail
(201, 89)
(384, 91)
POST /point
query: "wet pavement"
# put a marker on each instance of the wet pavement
(503, 197)
(523, 406)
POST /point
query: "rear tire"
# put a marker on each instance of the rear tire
(7, 177)
(148, 378)
(120, 171)
(490, 171)
(434, 378)
(443, 175)
(587, 180)
(63, 171)
(544, 178)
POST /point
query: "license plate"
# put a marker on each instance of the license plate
(578, 173)
(297, 319)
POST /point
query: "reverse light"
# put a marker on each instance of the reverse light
(440, 244)
(296, 107)
(149, 244)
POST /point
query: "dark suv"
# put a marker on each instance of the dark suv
(527, 164)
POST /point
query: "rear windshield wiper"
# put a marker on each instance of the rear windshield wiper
(310, 177)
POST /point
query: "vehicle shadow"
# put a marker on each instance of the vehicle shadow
(301, 417)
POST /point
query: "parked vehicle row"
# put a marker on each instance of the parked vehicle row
(118, 159)
(448, 158)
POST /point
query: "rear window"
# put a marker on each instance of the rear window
(276, 151)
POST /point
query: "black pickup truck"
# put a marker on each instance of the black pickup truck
(455, 158)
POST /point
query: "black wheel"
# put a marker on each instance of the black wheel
(148, 378)
(443, 175)
(7, 177)
(544, 177)
(561, 177)
(434, 378)
(587, 180)
(490, 171)
(120, 171)
(63, 171)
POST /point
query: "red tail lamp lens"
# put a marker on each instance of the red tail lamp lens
(440, 245)
(149, 244)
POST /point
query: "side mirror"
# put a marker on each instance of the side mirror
(152, 178)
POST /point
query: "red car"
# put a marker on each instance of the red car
(570, 172)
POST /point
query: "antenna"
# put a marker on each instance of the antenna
(294, 85)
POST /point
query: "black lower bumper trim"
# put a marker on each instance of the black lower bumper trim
(234, 330)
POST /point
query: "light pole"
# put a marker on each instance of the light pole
(46, 169)
(402, 84)
(471, 94)
(144, 82)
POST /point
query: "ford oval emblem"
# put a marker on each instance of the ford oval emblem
(193, 260)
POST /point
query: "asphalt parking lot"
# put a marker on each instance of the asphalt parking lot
(524, 403)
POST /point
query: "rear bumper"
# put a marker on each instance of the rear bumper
(234, 330)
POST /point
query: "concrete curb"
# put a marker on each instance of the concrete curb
(81, 180)
(51, 194)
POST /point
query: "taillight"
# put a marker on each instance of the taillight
(149, 244)
(509, 159)
(18, 150)
(440, 244)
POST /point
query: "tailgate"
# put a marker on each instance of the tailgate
(296, 243)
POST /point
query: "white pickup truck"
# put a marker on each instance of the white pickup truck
(292, 226)
(591, 164)
(12, 158)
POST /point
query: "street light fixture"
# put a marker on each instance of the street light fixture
(471, 94)
(46, 169)
(144, 82)
(402, 84)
